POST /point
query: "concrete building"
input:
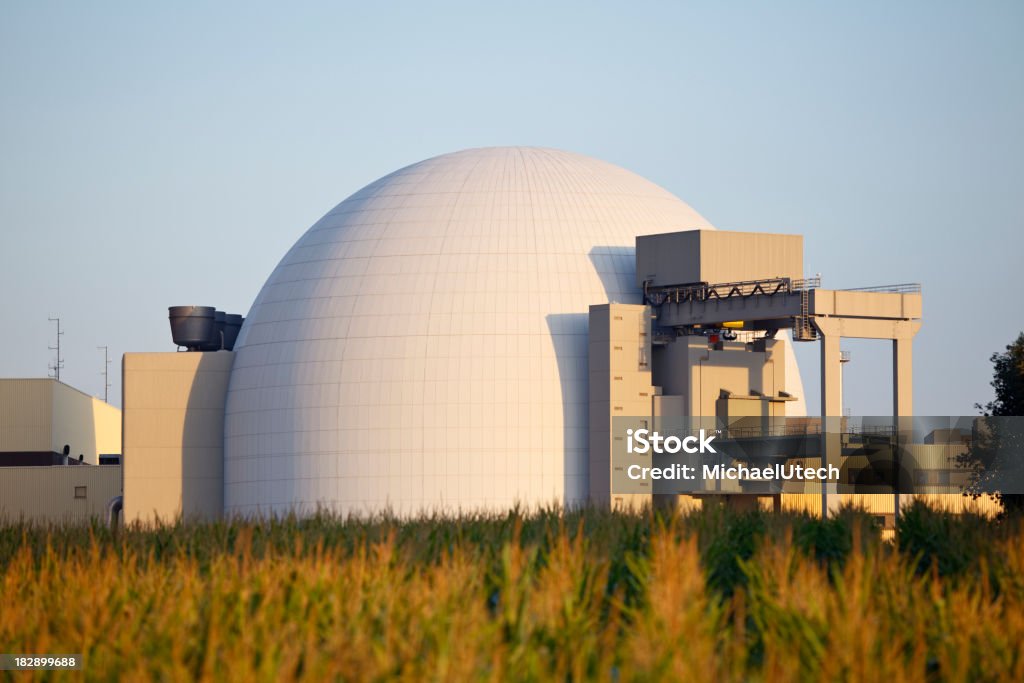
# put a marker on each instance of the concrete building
(677, 365)
(703, 286)
(621, 395)
(58, 494)
(40, 419)
(174, 435)
(424, 345)
(477, 331)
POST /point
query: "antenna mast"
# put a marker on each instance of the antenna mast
(106, 372)
(56, 367)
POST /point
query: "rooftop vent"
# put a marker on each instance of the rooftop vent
(215, 342)
(203, 328)
(191, 326)
(232, 325)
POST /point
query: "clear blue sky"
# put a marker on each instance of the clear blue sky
(164, 153)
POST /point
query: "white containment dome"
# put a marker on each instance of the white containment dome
(423, 347)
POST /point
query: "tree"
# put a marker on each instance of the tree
(998, 443)
(1008, 381)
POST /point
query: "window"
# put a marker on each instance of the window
(80, 491)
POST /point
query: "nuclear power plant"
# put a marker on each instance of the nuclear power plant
(476, 331)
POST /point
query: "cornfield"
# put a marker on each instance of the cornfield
(549, 595)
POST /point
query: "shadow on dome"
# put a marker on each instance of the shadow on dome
(569, 339)
(616, 266)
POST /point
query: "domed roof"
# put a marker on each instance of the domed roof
(424, 344)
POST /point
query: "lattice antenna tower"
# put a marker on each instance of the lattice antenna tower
(58, 365)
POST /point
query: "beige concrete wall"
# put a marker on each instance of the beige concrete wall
(853, 304)
(717, 256)
(738, 411)
(47, 494)
(174, 435)
(85, 423)
(26, 414)
(44, 415)
(688, 367)
(620, 387)
(688, 379)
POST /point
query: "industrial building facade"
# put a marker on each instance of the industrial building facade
(473, 332)
(41, 418)
(59, 452)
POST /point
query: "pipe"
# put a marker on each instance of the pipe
(114, 508)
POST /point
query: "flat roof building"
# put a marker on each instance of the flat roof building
(59, 452)
(40, 417)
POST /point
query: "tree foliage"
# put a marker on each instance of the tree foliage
(996, 439)
(1008, 381)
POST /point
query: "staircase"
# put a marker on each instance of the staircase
(803, 329)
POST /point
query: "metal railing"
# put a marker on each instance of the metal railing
(903, 288)
(703, 291)
(806, 283)
(804, 429)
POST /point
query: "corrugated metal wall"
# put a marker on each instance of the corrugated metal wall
(48, 494)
